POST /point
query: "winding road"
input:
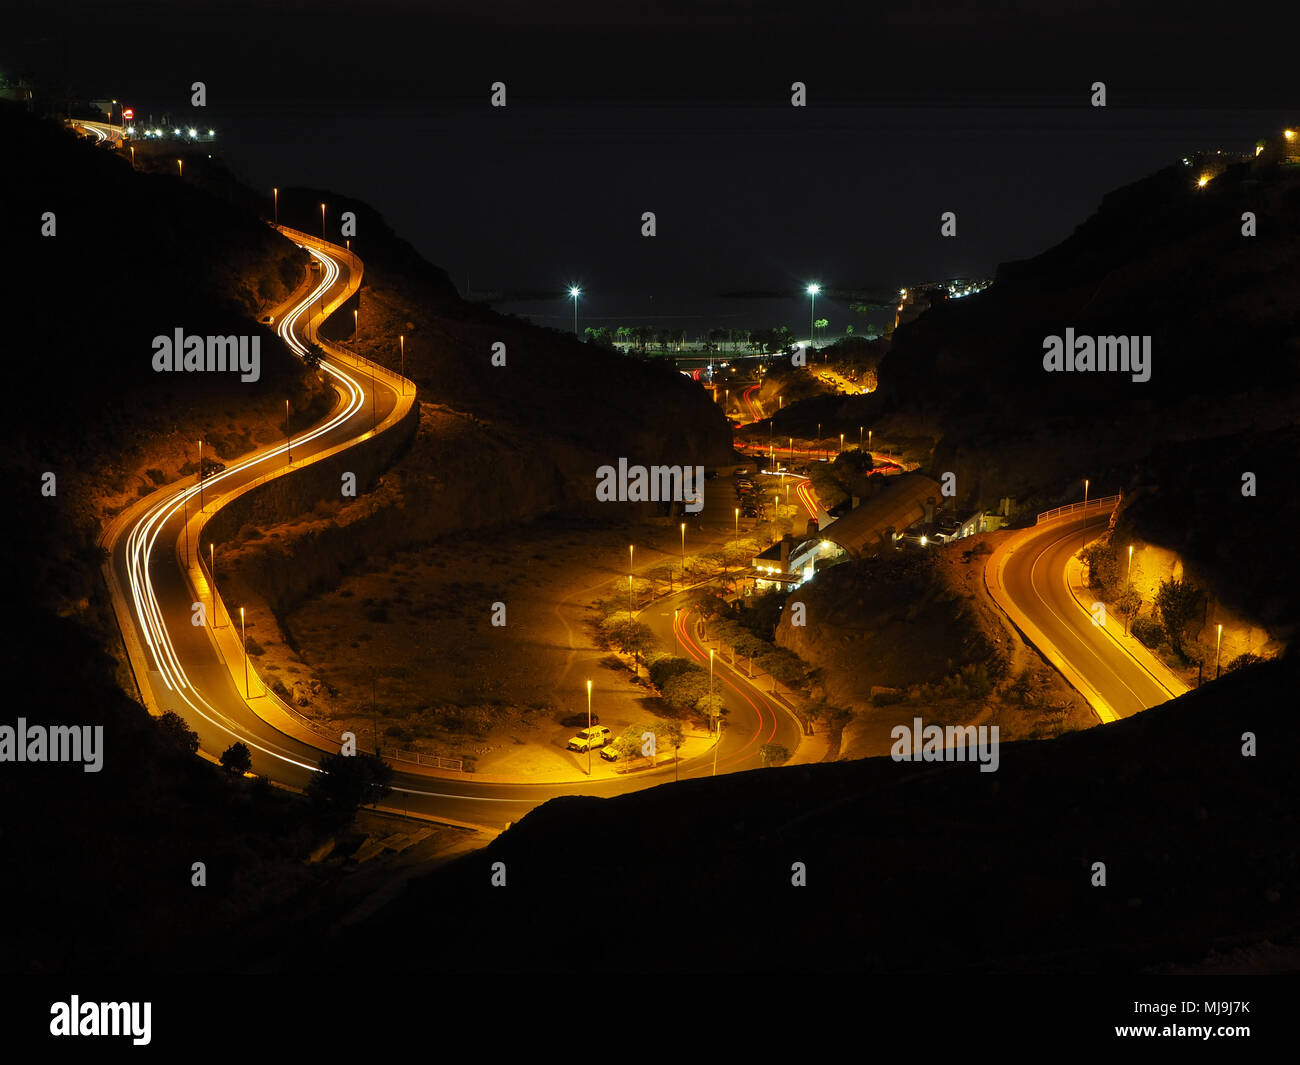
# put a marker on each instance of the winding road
(1027, 577)
(189, 660)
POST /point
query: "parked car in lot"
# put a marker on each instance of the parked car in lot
(589, 738)
(610, 753)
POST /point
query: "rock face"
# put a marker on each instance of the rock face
(891, 622)
(1159, 259)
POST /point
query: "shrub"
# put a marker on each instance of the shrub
(237, 758)
(1149, 631)
(1244, 661)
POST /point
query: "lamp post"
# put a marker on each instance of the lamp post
(322, 221)
(243, 639)
(869, 432)
(275, 197)
(841, 443)
(588, 728)
(200, 475)
(288, 435)
(1218, 642)
(574, 293)
(737, 522)
(212, 579)
(683, 552)
(859, 438)
(180, 168)
(1128, 585)
(1083, 539)
(715, 748)
(401, 340)
(813, 289)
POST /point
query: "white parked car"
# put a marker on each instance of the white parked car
(588, 738)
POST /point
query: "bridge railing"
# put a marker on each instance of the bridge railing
(435, 761)
(397, 754)
(1102, 503)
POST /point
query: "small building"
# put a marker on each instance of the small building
(878, 523)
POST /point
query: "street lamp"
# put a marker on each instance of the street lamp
(275, 196)
(859, 438)
(322, 221)
(212, 579)
(200, 475)
(574, 293)
(737, 521)
(841, 443)
(1084, 538)
(1128, 586)
(401, 340)
(683, 551)
(588, 728)
(180, 167)
(1217, 643)
(813, 289)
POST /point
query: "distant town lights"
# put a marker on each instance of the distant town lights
(1289, 134)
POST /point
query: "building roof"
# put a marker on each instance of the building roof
(902, 502)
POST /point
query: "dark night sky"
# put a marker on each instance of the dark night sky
(618, 108)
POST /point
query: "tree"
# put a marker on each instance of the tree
(668, 667)
(707, 601)
(712, 706)
(237, 759)
(1178, 602)
(347, 782)
(665, 572)
(1129, 603)
(628, 744)
(177, 733)
(1103, 567)
(685, 690)
(785, 666)
(631, 637)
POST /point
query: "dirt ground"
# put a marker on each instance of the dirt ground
(413, 637)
